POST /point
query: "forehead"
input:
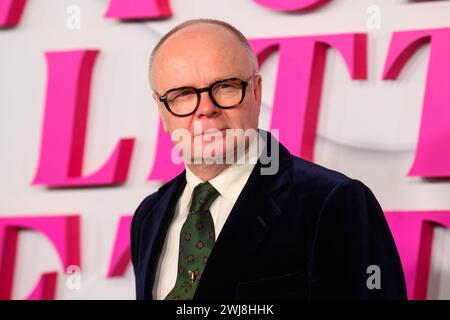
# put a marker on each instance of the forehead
(199, 55)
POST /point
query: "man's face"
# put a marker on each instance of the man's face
(197, 56)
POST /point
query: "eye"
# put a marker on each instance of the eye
(183, 93)
(227, 85)
(224, 85)
(180, 94)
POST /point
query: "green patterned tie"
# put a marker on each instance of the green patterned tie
(197, 239)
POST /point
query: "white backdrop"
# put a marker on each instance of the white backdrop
(367, 129)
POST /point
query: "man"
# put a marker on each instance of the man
(231, 231)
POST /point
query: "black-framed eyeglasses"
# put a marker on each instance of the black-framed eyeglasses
(225, 94)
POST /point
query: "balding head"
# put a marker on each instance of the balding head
(206, 34)
(198, 54)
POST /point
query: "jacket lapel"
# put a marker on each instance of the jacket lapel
(259, 205)
(155, 227)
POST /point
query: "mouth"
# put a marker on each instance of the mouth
(211, 132)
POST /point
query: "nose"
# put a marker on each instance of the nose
(206, 108)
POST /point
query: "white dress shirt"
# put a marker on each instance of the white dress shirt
(229, 183)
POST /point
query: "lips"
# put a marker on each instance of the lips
(208, 132)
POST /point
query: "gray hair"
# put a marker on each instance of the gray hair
(240, 37)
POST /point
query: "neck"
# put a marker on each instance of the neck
(206, 172)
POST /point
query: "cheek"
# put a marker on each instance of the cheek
(244, 117)
(180, 123)
(172, 122)
(233, 118)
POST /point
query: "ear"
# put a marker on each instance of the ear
(257, 90)
(160, 111)
(155, 97)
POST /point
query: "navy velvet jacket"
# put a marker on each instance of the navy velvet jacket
(306, 232)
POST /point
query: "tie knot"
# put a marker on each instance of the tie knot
(203, 196)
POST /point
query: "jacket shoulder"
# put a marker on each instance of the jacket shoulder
(151, 200)
(143, 210)
(314, 178)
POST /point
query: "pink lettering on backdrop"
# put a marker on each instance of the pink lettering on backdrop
(64, 126)
(299, 82)
(121, 257)
(10, 12)
(62, 231)
(291, 5)
(432, 157)
(46, 287)
(413, 234)
(138, 9)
